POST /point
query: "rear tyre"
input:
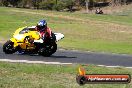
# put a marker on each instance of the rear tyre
(54, 48)
(48, 50)
(8, 47)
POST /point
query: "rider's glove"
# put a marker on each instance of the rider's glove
(31, 41)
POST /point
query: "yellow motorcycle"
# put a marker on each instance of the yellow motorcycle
(21, 42)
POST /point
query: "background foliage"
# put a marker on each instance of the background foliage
(60, 5)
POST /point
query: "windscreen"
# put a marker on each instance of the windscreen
(25, 30)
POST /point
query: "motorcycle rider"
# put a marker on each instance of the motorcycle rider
(45, 32)
(46, 35)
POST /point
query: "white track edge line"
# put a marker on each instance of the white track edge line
(113, 66)
(27, 61)
(43, 62)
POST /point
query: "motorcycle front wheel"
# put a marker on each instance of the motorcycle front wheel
(8, 47)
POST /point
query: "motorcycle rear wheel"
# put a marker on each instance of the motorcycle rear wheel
(48, 50)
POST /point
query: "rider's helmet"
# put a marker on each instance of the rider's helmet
(42, 25)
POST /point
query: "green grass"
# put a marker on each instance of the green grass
(97, 33)
(20, 75)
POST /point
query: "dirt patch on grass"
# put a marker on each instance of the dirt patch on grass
(107, 25)
(51, 15)
(106, 30)
(116, 28)
(82, 20)
(116, 9)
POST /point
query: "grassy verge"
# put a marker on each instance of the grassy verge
(14, 75)
(99, 33)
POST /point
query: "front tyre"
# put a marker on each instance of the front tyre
(8, 47)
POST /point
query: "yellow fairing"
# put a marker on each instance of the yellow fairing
(15, 42)
(20, 35)
(34, 34)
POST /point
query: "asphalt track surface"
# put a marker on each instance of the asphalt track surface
(66, 56)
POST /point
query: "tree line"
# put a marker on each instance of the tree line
(42, 4)
(59, 5)
(120, 2)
